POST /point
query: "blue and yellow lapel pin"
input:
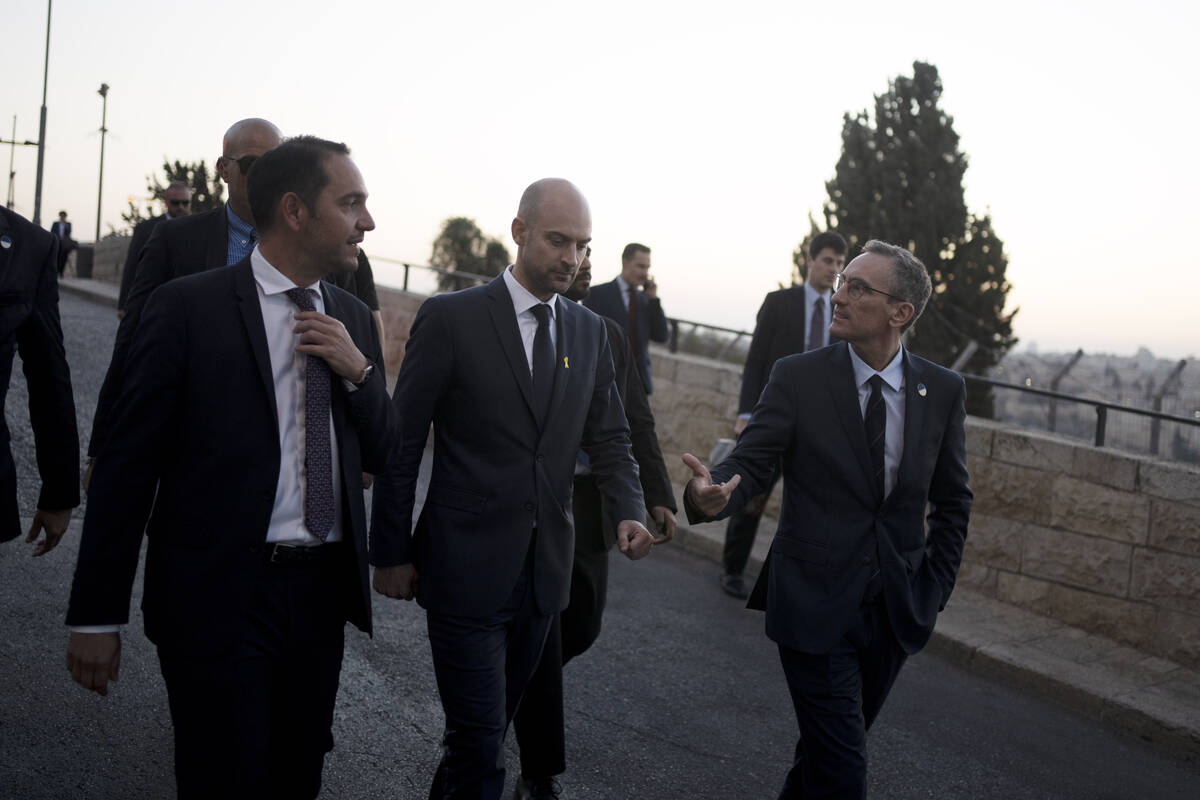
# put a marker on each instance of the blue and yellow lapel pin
(921, 389)
(566, 364)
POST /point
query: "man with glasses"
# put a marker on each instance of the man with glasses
(791, 320)
(178, 199)
(870, 437)
(198, 242)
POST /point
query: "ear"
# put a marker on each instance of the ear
(223, 168)
(901, 313)
(519, 231)
(292, 211)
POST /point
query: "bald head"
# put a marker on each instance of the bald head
(245, 141)
(550, 190)
(552, 229)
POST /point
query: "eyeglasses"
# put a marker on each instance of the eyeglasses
(180, 203)
(857, 287)
(244, 163)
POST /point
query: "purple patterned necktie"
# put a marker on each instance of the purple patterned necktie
(318, 459)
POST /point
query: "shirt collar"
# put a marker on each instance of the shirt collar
(624, 286)
(811, 295)
(271, 280)
(892, 374)
(522, 299)
(236, 223)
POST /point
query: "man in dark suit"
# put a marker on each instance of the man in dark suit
(514, 381)
(61, 229)
(631, 299)
(29, 325)
(252, 406)
(870, 437)
(539, 720)
(792, 320)
(191, 244)
(177, 198)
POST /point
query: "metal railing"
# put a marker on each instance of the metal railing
(1102, 407)
(673, 342)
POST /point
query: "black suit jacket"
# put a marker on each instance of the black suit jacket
(195, 449)
(175, 248)
(496, 475)
(606, 301)
(141, 235)
(29, 321)
(834, 530)
(652, 470)
(780, 330)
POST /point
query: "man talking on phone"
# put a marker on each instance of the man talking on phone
(631, 299)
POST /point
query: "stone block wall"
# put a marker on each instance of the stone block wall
(109, 258)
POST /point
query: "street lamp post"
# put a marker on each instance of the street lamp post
(103, 92)
(41, 143)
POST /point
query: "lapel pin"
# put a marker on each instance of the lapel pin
(566, 364)
(5, 242)
(921, 389)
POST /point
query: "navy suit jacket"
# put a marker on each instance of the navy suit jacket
(496, 475)
(195, 449)
(781, 329)
(175, 248)
(29, 324)
(834, 529)
(606, 301)
(141, 235)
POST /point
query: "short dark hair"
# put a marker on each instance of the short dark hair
(828, 239)
(631, 250)
(910, 279)
(298, 166)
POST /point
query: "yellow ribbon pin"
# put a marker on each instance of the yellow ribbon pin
(566, 365)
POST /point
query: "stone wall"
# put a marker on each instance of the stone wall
(109, 258)
(1102, 540)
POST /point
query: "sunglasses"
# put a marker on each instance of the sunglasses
(244, 163)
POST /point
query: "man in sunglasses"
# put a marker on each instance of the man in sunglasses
(191, 244)
(870, 437)
(177, 197)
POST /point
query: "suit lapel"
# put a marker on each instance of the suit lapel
(504, 320)
(216, 249)
(915, 407)
(564, 336)
(247, 299)
(845, 403)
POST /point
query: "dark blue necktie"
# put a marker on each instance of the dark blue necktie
(875, 420)
(318, 458)
(543, 364)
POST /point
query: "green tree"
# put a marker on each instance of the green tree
(208, 192)
(462, 247)
(900, 179)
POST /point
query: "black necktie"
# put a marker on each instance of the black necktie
(634, 340)
(816, 327)
(543, 363)
(875, 420)
(318, 458)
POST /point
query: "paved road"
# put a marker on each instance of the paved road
(682, 697)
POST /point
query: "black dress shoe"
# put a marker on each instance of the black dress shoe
(536, 789)
(735, 586)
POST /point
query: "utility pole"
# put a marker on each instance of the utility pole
(12, 173)
(41, 145)
(103, 92)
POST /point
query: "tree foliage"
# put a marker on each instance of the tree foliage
(462, 247)
(208, 192)
(900, 179)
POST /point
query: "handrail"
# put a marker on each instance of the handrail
(1102, 406)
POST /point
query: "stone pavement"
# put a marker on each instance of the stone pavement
(1148, 697)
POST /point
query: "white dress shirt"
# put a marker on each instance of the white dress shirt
(893, 403)
(288, 373)
(523, 302)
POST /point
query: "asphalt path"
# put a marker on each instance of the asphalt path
(681, 697)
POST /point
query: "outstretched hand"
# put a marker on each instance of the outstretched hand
(706, 496)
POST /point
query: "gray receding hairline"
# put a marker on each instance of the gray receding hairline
(910, 279)
(244, 126)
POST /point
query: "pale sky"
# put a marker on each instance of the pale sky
(705, 130)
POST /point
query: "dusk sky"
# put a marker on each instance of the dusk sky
(706, 130)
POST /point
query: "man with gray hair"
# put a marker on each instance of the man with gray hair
(870, 436)
(177, 198)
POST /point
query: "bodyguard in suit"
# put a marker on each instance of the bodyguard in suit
(61, 230)
(792, 320)
(177, 198)
(515, 381)
(29, 325)
(870, 437)
(252, 406)
(631, 299)
(192, 244)
(539, 720)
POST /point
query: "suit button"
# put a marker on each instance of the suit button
(867, 560)
(540, 458)
(529, 507)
